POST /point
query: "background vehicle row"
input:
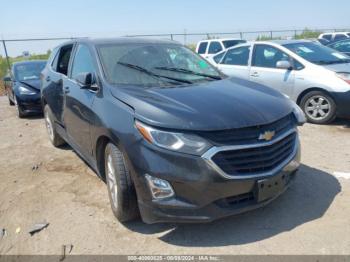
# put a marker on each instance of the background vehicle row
(316, 77)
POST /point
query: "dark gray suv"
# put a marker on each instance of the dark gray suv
(174, 139)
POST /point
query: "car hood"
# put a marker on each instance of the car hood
(35, 84)
(339, 67)
(216, 105)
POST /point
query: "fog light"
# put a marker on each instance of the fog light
(160, 188)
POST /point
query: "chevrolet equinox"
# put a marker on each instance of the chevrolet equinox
(174, 139)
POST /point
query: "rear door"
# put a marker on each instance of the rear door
(77, 113)
(53, 76)
(236, 62)
(264, 68)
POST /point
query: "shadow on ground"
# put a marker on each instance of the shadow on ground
(307, 199)
(345, 123)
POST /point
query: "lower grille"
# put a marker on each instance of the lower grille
(255, 160)
(237, 201)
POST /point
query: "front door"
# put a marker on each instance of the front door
(77, 114)
(264, 69)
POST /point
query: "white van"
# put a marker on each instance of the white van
(208, 48)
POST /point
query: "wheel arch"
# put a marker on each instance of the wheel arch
(306, 91)
(100, 146)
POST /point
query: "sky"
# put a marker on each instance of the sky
(108, 18)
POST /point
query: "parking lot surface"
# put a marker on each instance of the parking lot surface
(41, 183)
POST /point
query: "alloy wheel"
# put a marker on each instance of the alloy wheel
(112, 181)
(317, 107)
(49, 127)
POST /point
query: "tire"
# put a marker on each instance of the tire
(20, 112)
(54, 137)
(11, 103)
(319, 107)
(121, 190)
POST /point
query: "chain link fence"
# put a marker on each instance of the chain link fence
(14, 50)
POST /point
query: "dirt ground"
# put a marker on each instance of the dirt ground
(312, 217)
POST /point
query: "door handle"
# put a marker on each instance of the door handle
(66, 90)
(254, 74)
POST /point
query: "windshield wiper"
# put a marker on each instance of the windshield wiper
(144, 70)
(187, 71)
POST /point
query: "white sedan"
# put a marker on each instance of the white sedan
(316, 77)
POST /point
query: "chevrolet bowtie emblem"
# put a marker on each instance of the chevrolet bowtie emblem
(267, 136)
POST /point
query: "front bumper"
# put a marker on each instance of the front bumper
(30, 104)
(201, 193)
(342, 101)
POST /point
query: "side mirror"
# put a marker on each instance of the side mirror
(86, 81)
(284, 65)
(7, 79)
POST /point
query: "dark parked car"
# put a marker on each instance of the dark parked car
(175, 140)
(22, 86)
(342, 46)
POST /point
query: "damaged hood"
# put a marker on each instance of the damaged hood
(34, 84)
(216, 105)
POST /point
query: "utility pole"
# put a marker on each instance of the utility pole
(7, 57)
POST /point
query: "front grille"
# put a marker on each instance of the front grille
(248, 135)
(256, 160)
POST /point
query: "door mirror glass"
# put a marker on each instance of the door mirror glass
(85, 80)
(284, 65)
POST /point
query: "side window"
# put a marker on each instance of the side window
(83, 62)
(237, 56)
(268, 56)
(339, 37)
(214, 47)
(63, 59)
(327, 37)
(218, 57)
(202, 47)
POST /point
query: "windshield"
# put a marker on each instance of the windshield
(149, 65)
(28, 71)
(317, 53)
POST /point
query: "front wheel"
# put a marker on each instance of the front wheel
(319, 107)
(121, 190)
(11, 103)
(20, 111)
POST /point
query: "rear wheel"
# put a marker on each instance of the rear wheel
(55, 138)
(318, 107)
(120, 187)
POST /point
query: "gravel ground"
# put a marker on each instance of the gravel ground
(312, 217)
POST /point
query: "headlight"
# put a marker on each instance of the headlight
(299, 115)
(345, 76)
(181, 142)
(25, 91)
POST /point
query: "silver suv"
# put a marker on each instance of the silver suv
(316, 77)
